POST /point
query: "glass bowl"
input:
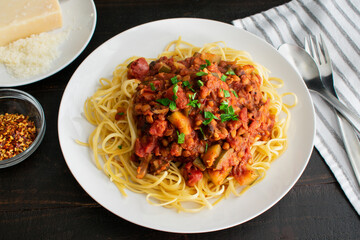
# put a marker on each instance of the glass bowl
(15, 101)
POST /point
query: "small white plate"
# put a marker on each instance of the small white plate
(149, 40)
(79, 18)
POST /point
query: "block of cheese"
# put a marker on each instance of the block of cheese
(22, 18)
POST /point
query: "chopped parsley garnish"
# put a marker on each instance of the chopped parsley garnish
(229, 112)
(187, 84)
(120, 113)
(233, 91)
(152, 87)
(223, 78)
(230, 72)
(206, 147)
(172, 105)
(209, 117)
(202, 66)
(174, 80)
(200, 83)
(120, 146)
(224, 106)
(181, 137)
(203, 134)
(175, 89)
(164, 101)
(226, 93)
(167, 102)
(193, 102)
(228, 117)
(201, 74)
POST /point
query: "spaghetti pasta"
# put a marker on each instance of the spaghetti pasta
(111, 110)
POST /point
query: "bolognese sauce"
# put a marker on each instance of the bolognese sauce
(202, 112)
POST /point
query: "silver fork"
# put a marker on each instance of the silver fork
(317, 49)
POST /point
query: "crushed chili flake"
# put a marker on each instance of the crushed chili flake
(17, 133)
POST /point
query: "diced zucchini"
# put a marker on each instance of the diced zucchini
(248, 177)
(223, 159)
(164, 68)
(199, 164)
(215, 74)
(211, 154)
(218, 176)
(179, 65)
(181, 122)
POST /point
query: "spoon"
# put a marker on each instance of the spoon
(309, 71)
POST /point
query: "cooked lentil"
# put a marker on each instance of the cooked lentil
(17, 133)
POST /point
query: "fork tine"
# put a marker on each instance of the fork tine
(306, 45)
(324, 50)
(321, 51)
(314, 48)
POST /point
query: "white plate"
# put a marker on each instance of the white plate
(79, 18)
(149, 40)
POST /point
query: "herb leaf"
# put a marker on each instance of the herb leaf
(230, 72)
(201, 74)
(202, 66)
(206, 122)
(233, 91)
(229, 112)
(193, 102)
(187, 84)
(164, 101)
(226, 93)
(228, 117)
(209, 117)
(174, 80)
(224, 106)
(120, 146)
(167, 102)
(223, 78)
(175, 89)
(181, 137)
(172, 105)
(203, 134)
(200, 83)
(152, 87)
(120, 113)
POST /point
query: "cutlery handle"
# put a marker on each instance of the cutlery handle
(341, 108)
(352, 145)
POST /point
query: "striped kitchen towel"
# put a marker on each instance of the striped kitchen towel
(337, 21)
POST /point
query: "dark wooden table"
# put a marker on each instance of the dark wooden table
(40, 199)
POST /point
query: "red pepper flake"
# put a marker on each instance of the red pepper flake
(17, 133)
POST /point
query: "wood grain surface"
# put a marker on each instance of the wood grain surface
(40, 199)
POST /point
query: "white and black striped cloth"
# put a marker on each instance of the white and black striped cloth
(338, 22)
